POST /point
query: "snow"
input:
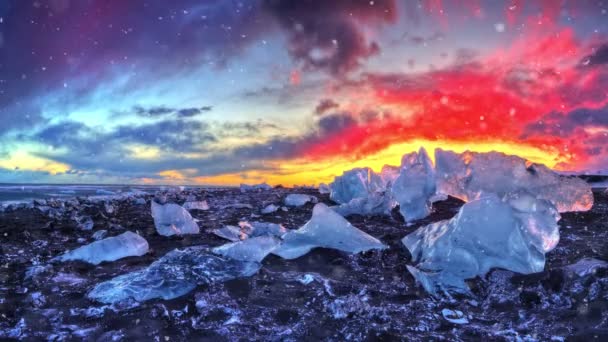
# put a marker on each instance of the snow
(172, 219)
(298, 200)
(173, 275)
(414, 186)
(196, 205)
(109, 249)
(487, 233)
(471, 175)
(326, 229)
(252, 249)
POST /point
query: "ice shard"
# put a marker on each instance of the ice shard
(471, 175)
(326, 229)
(173, 275)
(355, 183)
(414, 186)
(298, 200)
(513, 234)
(247, 230)
(253, 249)
(172, 219)
(109, 249)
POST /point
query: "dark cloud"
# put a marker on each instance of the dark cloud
(565, 124)
(163, 111)
(598, 57)
(325, 105)
(328, 35)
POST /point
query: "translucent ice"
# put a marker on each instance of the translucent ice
(324, 189)
(298, 200)
(415, 186)
(196, 205)
(470, 175)
(253, 249)
(377, 203)
(173, 275)
(326, 229)
(109, 249)
(355, 183)
(269, 209)
(256, 187)
(513, 234)
(172, 219)
(246, 230)
(389, 173)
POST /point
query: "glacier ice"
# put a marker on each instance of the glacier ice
(252, 249)
(109, 249)
(247, 230)
(355, 183)
(269, 209)
(470, 175)
(171, 219)
(173, 275)
(376, 203)
(513, 234)
(256, 187)
(414, 186)
(196, 205)
(298, 200)
(326, 229)
(389, 173)
(585, 266)
(324, 189)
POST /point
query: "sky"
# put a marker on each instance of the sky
(294, 92)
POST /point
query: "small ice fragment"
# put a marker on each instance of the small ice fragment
(173, 275)
(100, 234)
(306, 279)
(326, 229)
(232, 233)
(269, 209)
(171, 219)
(109, 249)
(246, 230)
(324, 189)
(414, 186)
(253, 249)
(196, 205)
(586, 266)
(298, 200)
(139, 201)
(108, 208)
(237, 206)
(84, 222)
(454, 316)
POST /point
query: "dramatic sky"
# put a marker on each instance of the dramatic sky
(294, 92)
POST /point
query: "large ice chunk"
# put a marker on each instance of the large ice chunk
(355, 183)
(377, 203)
(512, 234)
(389, 174)
(246, 230)
(110, 249)
(253, 249)
(326, 229)
(415, 186)
(172, 219)
(173, 275)
(470, 175)
(298, 200)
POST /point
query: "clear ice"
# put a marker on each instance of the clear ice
(256, 187)
(326, 229)
(298, 200)
(172, 219)
(246, 230)
(196, 205)
(471, 175)
(109, 249)
(513, 234)
(173, 275)
(253, 249)
(355, 183)
(414, 186)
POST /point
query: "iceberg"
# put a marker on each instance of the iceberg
(414, 186)
(109, 249)
(513, 234)
(171, 219)
(173, 275)
(253, 249)
(355, 183)
(471, 175)
(389, 174)
(196, 205)
(326, 229)
(247, 230)
(377, 203)
(256, 187)
(298, 200)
